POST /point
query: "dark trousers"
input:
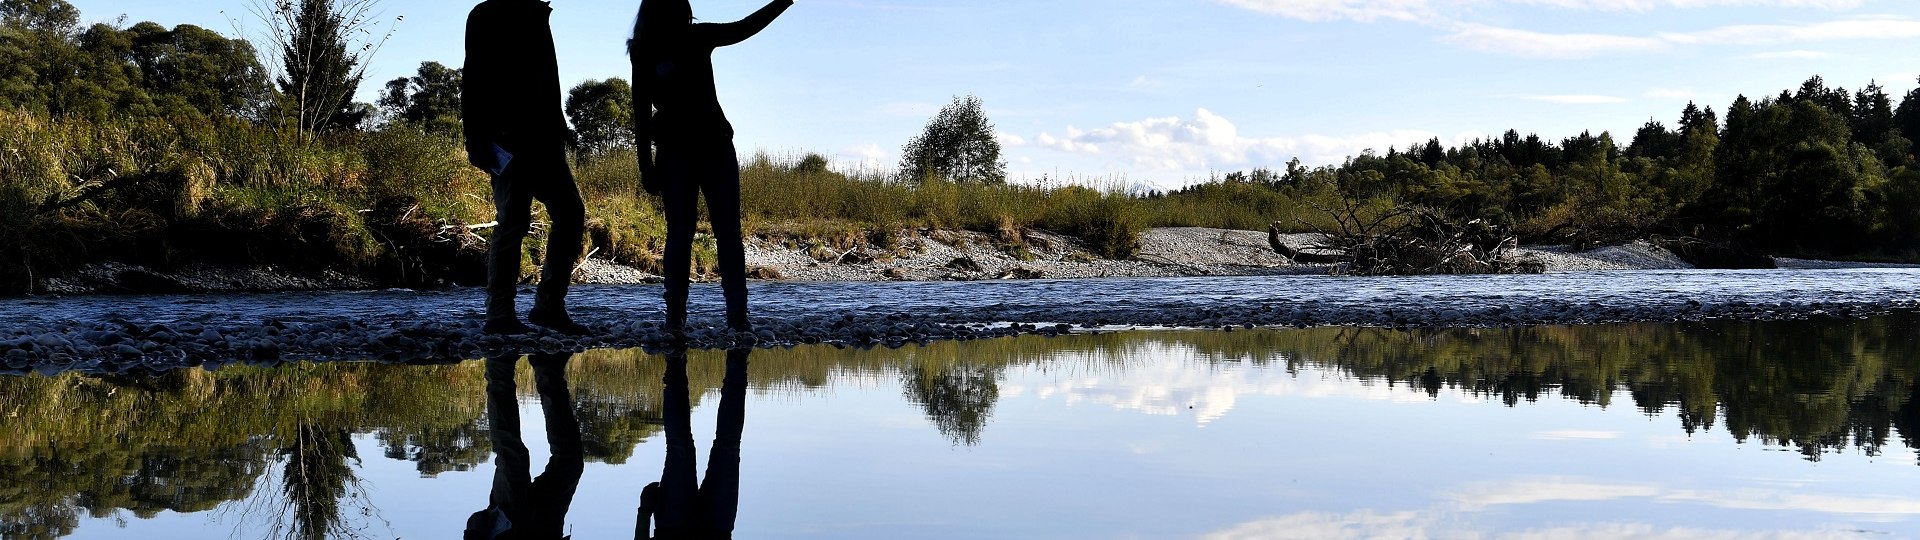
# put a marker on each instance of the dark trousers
(690, 507)
(542, 176)
(714, 170)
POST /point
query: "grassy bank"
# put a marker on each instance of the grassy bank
(396, 206)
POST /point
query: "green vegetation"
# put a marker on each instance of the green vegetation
(1819, 171)
(958, 145)
(170, 147)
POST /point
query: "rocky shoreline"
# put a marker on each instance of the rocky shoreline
(917, 255)
(158, 332)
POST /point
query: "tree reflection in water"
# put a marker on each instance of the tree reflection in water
(88, 445)
(958, 399)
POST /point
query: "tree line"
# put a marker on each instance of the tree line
(1819, 170)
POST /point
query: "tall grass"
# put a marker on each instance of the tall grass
(223, 190)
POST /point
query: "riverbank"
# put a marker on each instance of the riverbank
(913, 255)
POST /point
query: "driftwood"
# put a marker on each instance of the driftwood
(113, 182)
(1295, 255)
(1407, 240)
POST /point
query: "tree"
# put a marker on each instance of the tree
(1907, 117)
(324, 49)
(602, 115)
(958, 145)
(40, 16)
(192, 69)
(958, 399)
(1872, 114)
(429, 100)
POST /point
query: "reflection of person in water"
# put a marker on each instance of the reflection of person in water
(673, 74)
(522, 506)
(681, 505)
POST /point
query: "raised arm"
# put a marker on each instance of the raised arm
(724, 34)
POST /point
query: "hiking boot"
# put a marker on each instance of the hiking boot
(505, 327)
(557, 321)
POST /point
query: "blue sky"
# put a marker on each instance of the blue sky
(1167, 91)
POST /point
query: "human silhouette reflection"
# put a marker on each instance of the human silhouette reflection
(681, 505)
(521, 505)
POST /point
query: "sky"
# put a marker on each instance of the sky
(1171, 92)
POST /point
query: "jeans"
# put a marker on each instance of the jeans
(691, 170)
(542, 176)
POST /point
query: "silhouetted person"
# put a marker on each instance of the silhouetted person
(673, 75)
(681, 505)
(517, 132)
(522, 506)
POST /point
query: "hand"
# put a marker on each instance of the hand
(650, 180)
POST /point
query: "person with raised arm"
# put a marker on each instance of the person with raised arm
(686, 143)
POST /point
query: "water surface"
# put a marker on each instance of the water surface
(1733, 429)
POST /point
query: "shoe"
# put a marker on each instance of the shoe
(558, 322)
(505, 327)
(649, 505)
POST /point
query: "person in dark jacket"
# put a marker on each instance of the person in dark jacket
(516, 130)
(677, 112)
(522, 506)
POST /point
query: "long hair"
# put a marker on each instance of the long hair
(659, 24)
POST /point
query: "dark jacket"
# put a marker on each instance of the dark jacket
(510, 87)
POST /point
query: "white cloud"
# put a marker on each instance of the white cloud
(1791, 55)
(1514, 42)
(1432, 524)
(1435, 10)
(1143, 82)
(1577, 435)
(1576, 99)
(1322, 10)
(1209, 142)
(1649, 5)
(1670, 93)
(866, 157)
(1552, 489)
(1444, 14)
(1361, 524)
(1763, 34)
(1009, 139)
(1539, 490)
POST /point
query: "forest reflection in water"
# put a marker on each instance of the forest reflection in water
(270, 451)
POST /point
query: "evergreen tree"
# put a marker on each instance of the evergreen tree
(1907, 117)
(321, 60)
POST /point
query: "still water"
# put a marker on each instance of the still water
(1718, 429)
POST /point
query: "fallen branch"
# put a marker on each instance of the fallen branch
(113, 183)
